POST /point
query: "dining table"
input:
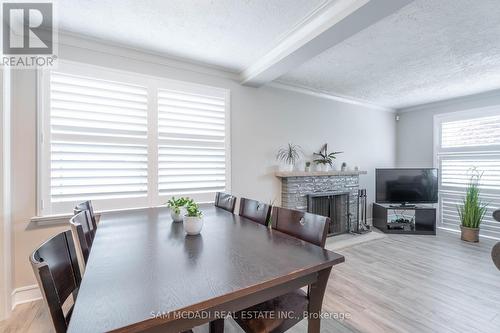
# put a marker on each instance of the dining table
(145, 274)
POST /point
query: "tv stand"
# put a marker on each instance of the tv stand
(403, 205)
(405, 219)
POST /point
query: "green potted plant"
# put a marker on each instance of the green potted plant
(288, 156)
(325, 159)
(175, 206)
(472, 210)
(193, 219)
(308, 166)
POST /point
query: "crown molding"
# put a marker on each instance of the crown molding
(126, 51)
(330, 96)
(491, 97)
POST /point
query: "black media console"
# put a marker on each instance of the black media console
(396, 219)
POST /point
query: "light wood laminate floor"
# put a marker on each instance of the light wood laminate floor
(401, 283)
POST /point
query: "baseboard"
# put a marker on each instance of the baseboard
(25, 294)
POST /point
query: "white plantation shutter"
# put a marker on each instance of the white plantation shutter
(192, 143)
(464, 144)
(98, 139)
(474, 132)
(125, 140)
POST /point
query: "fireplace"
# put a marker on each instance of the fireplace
(298, 188)
(334, 205)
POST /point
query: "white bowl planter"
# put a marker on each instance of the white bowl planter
(176, 217)
(193, 224)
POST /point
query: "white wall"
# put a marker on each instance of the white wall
(262, 120)
(415, 127)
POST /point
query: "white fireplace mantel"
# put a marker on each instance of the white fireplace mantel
(288, 174)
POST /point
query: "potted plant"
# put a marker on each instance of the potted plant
(308, 166)
(193, 220)
(288, 156)
(175, 206)
(325, 159)
(472, 210)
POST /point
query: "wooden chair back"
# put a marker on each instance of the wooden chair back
(87, 205)
(225, 201)
(82, 232)
(56, 268)
(495, 251)
(309, 227)
(254, 210)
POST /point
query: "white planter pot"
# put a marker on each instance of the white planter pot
(286, 167)
(176, 217)
(193, 225)
(322, 167)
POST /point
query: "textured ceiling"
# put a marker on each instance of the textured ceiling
(430, 50)
(225, 33)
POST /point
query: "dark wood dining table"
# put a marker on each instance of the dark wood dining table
(145, 274)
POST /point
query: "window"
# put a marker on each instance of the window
(465, 141)
(125, 140)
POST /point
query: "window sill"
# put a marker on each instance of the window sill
(64, 218)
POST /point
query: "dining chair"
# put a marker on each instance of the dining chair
(495, 251)
(309, 228)
(254, 210)
(225, 201)
(87, 205)
(82, 233)
(56, 268)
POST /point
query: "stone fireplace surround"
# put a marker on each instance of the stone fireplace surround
(297, 185)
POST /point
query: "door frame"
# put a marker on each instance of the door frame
(5, 197)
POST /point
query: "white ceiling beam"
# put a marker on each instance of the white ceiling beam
(334, 22)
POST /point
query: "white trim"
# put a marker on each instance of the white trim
(457, 103)
(6, 236)
(457, 231)
(126, 51)
(25, 294)
(326, 95)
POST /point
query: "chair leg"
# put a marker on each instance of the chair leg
(316, 294)
(217, 326)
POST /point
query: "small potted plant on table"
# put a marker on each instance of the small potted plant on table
(193, 220)
(472, 210)
(175, 206)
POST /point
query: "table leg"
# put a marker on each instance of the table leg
(217, 326)
(316, 293)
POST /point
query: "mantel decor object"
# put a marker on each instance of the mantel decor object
(324, 160)
(288, 156)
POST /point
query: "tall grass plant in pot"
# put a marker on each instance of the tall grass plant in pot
(472, 209)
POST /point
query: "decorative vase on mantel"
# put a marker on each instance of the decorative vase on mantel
(285, 167)
(322, 167)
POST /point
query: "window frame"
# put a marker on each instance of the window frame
(153, 83)
(440, 118)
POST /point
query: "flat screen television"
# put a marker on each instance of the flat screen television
(406, 186)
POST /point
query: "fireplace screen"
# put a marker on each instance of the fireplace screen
(334, 205)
